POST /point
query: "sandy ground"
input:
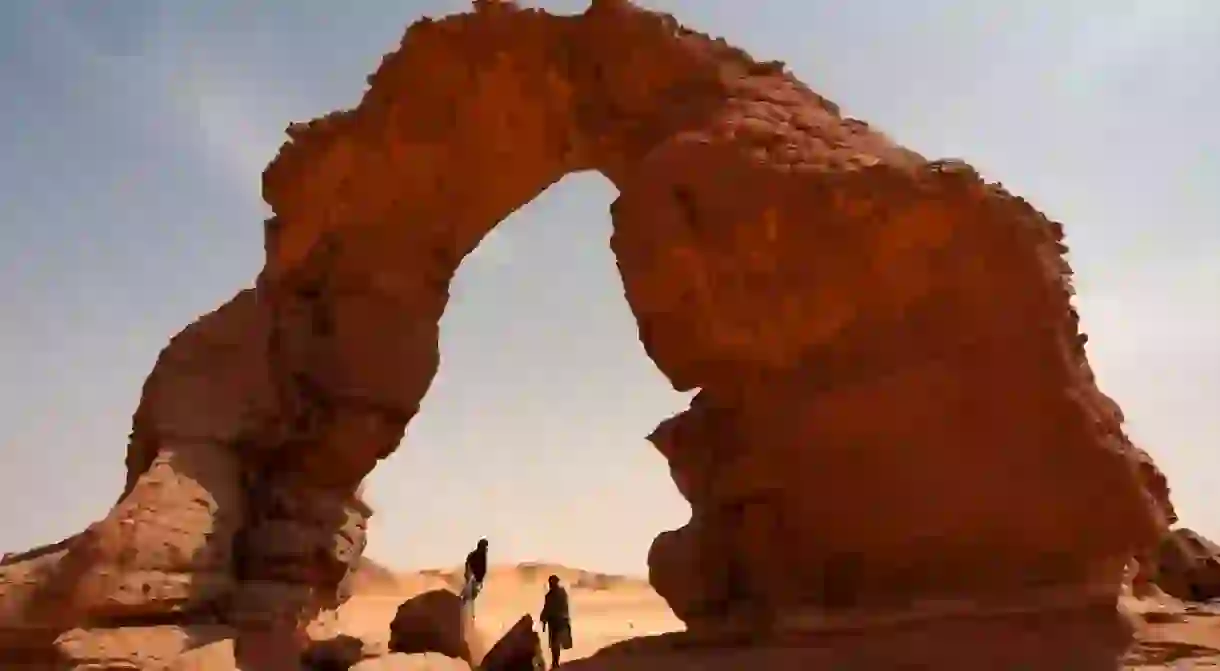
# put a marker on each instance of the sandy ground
(1175, 635)
(608, 609)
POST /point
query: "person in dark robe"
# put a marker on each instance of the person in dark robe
(556, 619)
(476, 572)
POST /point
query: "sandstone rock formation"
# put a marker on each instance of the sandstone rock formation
(895, 411)
(1155, 484)
(1188, 566)
(519, 649)
(31, 605)
(436, 621)
(157, 647)
(1145, 562)
(337, 653)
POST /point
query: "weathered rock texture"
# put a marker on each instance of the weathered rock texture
(436, 621)
(519, 649)
(155, 647)
(1188, 566)
(1146, 562)
(894, 405)
(337, 653)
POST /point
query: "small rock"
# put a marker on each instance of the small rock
(518, 650)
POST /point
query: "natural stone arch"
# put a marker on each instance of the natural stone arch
(837, 262)
(894, 407)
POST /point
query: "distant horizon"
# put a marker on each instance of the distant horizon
(493, 566)
(134, 136)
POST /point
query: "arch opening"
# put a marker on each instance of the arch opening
(533, 432)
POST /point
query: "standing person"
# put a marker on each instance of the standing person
(476, 571)
(556, 619)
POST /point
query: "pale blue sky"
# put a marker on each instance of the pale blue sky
(132, 134)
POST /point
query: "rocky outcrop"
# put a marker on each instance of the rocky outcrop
(166, 548)
(1156, 484)
(147, 648)
(1145, 563)
(436, 621)
(1188, 566)
(337, 653)
(164, 557)
(894, 408)
(519, 649)
(32, 605)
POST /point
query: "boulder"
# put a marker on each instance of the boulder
(1188, 566)
(436, 621)
(337, 653)
(519, 649)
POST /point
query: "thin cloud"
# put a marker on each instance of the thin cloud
(232, 135)
(238, 121)
(1121, 39)
(234, 122)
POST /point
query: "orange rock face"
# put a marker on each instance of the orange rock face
(894, 403)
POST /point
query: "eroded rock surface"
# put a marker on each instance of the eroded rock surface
(894, 405)
(147, 648)
(436, 621)
(1145, 563)
(33, 605)
(519, 649)
(1188, 566)
(167, 546)
(337, 653)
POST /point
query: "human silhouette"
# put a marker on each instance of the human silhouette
(476, 572)
(556, 619)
